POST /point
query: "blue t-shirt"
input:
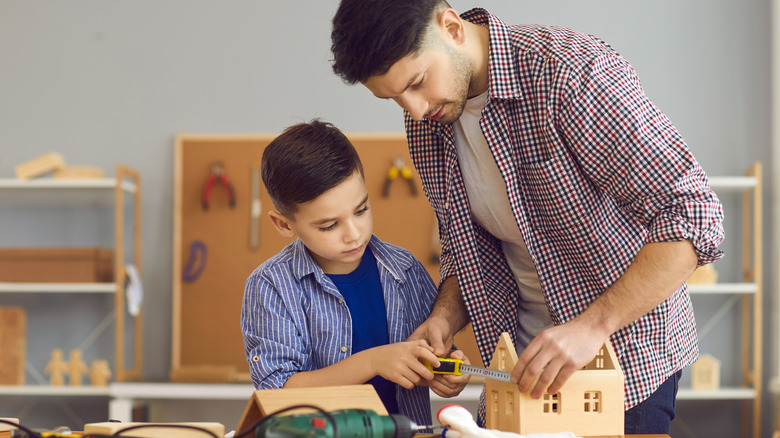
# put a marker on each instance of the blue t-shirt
(362, 291)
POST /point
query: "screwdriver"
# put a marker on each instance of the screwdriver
(457, 367)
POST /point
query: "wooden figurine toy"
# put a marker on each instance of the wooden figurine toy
(76, 367)
(99, 373)
(56, 368)
(591, 403)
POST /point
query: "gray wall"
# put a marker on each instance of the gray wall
(113, 82)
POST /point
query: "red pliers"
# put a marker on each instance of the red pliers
(218, 175)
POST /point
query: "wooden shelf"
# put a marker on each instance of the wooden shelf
(751, 336)
(90, 288)
(727, 393)
(723, 288)
(186, 391)
(733, 182)
(54, 391)
(49, 191)
(122, 193)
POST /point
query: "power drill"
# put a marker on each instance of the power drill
(352, 423)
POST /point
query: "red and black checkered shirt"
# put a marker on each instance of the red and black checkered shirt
(593, 171)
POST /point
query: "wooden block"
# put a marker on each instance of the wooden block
(13, 325)
(57, 265)
(155, 430)
(80, 172)
(5, 427)
(39, 166)
(267, 401)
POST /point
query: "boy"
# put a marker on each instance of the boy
(335, 306)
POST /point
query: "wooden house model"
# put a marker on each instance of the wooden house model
(589, 404)
(705, 373)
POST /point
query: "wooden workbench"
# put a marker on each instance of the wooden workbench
(438, 435)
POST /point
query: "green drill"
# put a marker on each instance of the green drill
(350, 423)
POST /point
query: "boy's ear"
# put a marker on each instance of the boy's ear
(282, 224)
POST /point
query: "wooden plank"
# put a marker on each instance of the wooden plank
(39, 166)
(155, 430)
(13, 344)
(329, 398)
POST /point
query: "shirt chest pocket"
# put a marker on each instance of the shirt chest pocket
(559, 198)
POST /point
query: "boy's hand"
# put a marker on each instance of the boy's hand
(449, 385)
(400, 362)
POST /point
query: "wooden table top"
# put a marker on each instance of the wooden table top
(438, 435)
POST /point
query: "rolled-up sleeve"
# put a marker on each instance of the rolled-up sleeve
(693, 213)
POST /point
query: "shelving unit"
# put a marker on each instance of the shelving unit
(125, 186)
(750, 293)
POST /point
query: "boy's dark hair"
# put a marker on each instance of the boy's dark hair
(305, 161)
(369, 36)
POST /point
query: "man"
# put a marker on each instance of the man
(571, 210)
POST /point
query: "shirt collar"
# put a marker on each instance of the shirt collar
(302, 263)
(390, 257)
(503, 80)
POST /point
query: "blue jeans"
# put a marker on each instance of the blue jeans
(655, 414)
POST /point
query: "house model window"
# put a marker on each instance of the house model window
(592, 401)
(594, 397)
(552, 404)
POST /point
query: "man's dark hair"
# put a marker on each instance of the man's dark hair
(369, 36)
(305, 161)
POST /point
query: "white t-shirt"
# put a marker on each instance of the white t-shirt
(490, 208)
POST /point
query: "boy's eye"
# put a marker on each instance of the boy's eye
(329, 227)
(361, 211)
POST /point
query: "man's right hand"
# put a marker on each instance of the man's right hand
(447, 317)
(436, 332)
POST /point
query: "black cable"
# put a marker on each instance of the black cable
(32, 434)
(22, 428)
(258, 423)
(170, 426)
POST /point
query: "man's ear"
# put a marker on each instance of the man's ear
(451, 25)
(282, 224)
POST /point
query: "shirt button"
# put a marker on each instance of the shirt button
(255, 359)
(344, 349)
(341, 301)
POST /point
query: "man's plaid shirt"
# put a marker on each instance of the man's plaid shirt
(593, 171)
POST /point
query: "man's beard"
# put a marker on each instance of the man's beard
(460, 84)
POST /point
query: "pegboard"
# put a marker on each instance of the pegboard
(207, 341)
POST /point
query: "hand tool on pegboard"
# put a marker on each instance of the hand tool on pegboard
(399, 168)
(217, 176)
(255, 211)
